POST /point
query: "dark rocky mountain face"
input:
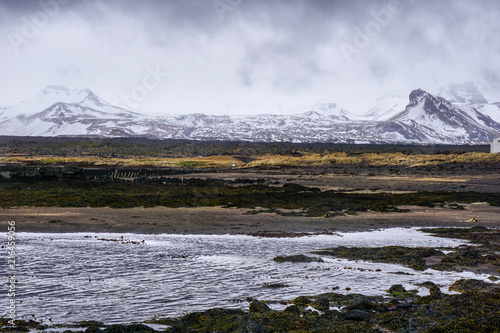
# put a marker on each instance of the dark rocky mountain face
(435, 116)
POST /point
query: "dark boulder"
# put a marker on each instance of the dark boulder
(256, 306)
(297, 258)
(357, 315)
(301, 301)
(292, 310)
(466, 285)
(427, 284)
(321, 304)
(132, 328)
(361, 303)
(435, 292)
(397, 288)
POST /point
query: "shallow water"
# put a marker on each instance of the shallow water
(79, 276)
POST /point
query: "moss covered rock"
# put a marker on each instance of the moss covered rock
(257, 306)
(297, 258)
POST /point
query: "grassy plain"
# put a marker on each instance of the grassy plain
(276, 190)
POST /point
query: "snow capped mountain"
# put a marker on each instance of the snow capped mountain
(331, 110)
(466, 95)
(318, 109)
(57, 110)
(424, 119)
(56, 94)
(439, 120)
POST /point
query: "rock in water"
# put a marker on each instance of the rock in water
(132, 328)
(435, 292)
(321, 304)
(397, 288)
(256, 306)
(468, 285)
(297, 258)
(301, 301)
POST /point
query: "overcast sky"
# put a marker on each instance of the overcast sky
(178, 56)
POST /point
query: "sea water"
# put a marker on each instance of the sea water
(120, 278)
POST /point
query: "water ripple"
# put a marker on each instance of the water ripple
(80, 276)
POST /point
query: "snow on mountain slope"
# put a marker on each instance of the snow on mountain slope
(428, 113)
(467, 96)
(386, 107)
(198, 119)
(57, 110)
(425, 119)
(332, 110)
(491, 110)
(65, 100)
(45, 99)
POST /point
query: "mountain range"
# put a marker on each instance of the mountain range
(457, 114)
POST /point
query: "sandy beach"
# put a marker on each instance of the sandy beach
(217, 220)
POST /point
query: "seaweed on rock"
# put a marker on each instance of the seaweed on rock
(476, 310)
(410, 257)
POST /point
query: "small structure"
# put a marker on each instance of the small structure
(495, 145)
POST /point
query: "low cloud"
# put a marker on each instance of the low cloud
(249, 51)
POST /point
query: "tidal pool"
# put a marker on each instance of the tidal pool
(120, 278)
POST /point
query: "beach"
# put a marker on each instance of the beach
(219, 221)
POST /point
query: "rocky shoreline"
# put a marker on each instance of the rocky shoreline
(475, 309)
(473, 305)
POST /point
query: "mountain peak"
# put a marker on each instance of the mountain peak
(417, 95)
(427, 113)
(53, 94)
(58, 90)
(428, 118)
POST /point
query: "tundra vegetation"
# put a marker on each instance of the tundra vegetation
(138, 172)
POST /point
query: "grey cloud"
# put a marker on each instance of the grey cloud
(291, 45)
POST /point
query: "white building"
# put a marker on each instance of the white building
(495, 145)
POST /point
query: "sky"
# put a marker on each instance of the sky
(243, 56)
